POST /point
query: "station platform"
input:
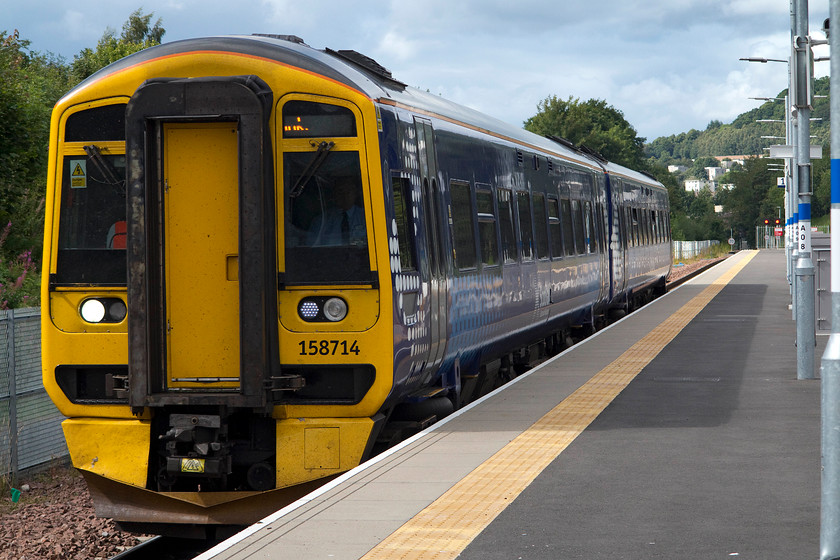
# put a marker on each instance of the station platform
(678, 432)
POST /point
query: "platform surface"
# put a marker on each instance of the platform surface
(678, 432)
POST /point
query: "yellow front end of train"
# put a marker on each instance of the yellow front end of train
(199, 360)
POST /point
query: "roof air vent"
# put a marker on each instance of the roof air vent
(289, 38)
(562, 141)
(366, 63)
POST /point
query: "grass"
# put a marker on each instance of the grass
(822, 221)
(713, 252)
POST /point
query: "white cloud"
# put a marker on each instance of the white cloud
(396, 45)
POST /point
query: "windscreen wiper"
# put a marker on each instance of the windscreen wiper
(102, 165)
(320, 157)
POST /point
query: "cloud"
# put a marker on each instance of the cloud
(396, 45)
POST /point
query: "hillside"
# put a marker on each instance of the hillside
(742, 136)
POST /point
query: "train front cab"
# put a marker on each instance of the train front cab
(189, 391)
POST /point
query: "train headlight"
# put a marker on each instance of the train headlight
(309, 310)
(93, 311)
(103, 310)
(335, 309)
(322, 309)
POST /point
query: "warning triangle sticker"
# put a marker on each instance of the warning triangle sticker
(78, 171)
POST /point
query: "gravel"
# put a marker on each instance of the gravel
(678, 272)
(54, 520)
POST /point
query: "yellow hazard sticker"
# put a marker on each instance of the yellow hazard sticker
(192, 465)
(78, 174)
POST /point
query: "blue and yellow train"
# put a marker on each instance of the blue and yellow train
(263, 260)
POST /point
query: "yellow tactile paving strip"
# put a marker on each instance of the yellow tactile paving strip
(448, 525)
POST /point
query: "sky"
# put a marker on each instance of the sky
(668, 65)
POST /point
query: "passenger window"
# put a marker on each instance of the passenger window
(577, 221)
(554, 228)
(405, 229)
(599, 219)
(540, 223)
(487, 239)
(463, 225)
(568, 227)
(654, 226)
(506, 226)
(523, 201)
(589, 227)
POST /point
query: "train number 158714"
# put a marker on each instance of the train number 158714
(328, 347)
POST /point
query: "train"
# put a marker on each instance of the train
(263, 262)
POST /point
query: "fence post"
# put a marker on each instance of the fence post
(13, 431)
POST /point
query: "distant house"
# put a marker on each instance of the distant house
(714, 172)
(697, 185)
(727, 161)
(677, 168)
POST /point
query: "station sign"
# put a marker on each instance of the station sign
(786, 151)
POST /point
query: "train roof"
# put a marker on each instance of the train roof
(373, 80)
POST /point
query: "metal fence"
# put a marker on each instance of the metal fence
(690, 249)
(30, 424)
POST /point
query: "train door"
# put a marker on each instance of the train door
(201, 251)
(618, 234)
(436, 222)
(200, 257)
(598, 196)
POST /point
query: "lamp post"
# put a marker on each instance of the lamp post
(798, 111)
(790, 201)
(801, 104)
(761, 59)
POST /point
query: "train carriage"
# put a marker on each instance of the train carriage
(264, 260)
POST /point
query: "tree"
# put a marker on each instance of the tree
(592, 123)
(30, 84)
(137, 34)
(754, 196)
(698, 167)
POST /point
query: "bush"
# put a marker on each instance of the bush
(19, 277)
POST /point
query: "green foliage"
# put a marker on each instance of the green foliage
(30, 85)
(754, 197)
(679, 198)
(19, 277)
(743, 135)
(698, 167)
(137, 34)
(821, 172)
(591, 123)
